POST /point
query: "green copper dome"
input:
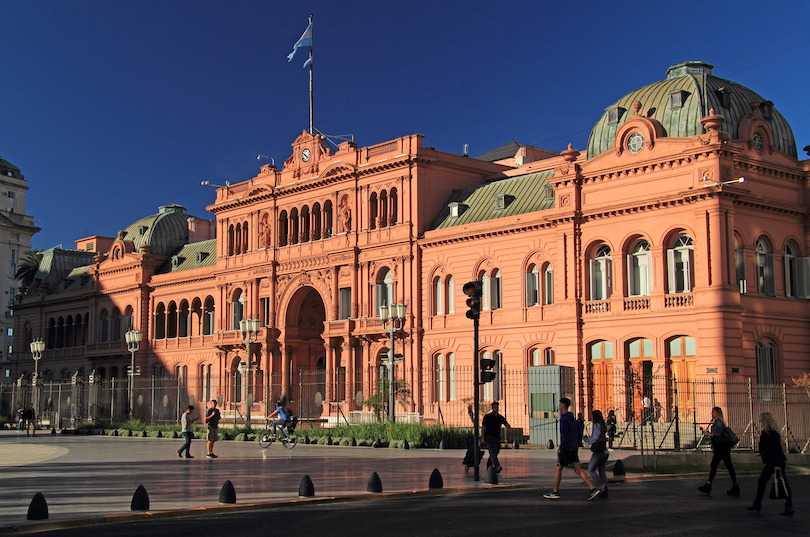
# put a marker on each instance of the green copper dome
(684, 98)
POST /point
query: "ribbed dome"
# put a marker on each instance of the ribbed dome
(686, 82)
(163, 232)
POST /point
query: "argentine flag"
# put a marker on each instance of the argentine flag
(304, 41)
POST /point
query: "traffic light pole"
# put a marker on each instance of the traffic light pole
(476, 403)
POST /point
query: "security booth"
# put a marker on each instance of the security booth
(547, 385)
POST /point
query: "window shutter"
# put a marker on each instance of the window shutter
(648, 275)
(608, 278)
(739, 262)
(803, 277)
(592, 263)
(671, 288)
(379, 297)
(549, 290)
(631, 287)
(770, 276)
(689, 272)
(529, 293)
(495, 287)
(789, 292)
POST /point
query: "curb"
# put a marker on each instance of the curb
(35, 527)
(656, 477)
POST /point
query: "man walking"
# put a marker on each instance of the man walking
(491, 432)
(185, 428)
(212, 421)
(567, 452)
(30, 420)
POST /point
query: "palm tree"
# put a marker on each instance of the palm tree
(28, 269)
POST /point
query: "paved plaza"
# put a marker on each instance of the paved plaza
(83, 476)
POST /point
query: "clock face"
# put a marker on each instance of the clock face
(305, 154)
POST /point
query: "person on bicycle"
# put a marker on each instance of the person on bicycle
(281, 412)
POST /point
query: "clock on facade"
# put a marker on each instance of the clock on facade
(305, 154)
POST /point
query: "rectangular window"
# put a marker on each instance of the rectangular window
(739, 263)
(495, 285)
(13, 265)
(12, 294)
(548, 294)
(532, 294)
(679, 270)
(600, 279)
(345, 303)
(264, 308)
(639, 274)
(451, 295)
(766, 285)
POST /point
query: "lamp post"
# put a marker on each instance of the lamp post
(37, 348)
(133, 338)
(250, 331)
(393, 319)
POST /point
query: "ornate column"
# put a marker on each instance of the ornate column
(330, 372)
(347, 356)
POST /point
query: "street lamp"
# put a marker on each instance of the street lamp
(37, 348)
(134, 338)
(393, 319)
(250, 332)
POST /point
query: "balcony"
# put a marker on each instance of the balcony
(683, 300)
(597, 306)
(636, 303)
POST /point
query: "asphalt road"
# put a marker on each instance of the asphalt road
(651, 508)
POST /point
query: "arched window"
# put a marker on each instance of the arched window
(536, 358)
(60, 333)
(51, 333)
(238, 240)
(183, 324)
(486, 292)
(451, 294)
(681, 359)
(438, 296)
(69, 330)
(739, 264)
(237, 308)
(766, 284)
(393, 216)
(790, 271)
(548, 284)
(495, 290)
(372, 213)
(766, 371)
(316, 222)
(103, 327)
(532, 286)
(548, 356)
(64, 375)
(601, 274)
(171, 320)
(440, 380)
(639, 270)
(305, 224)
(231, 239)
(195, 318)
(160, 321)
(493, 390)
(294, 226)
(208, 316)
(113, 372)
(327, 219)
(115, 322)
(245, 238)
(384, 291)
(383, 209)
(601, 365)
(205, 375)
(680, 265)
(282, 229)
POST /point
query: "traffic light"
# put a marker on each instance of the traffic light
(473, 290)
(487, 370)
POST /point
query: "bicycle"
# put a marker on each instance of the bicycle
(285, 435)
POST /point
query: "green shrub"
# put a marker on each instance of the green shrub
(428, 436)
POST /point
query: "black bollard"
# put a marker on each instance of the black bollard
(353, 442)
(517, 444)
(53, 430)
(442, 444)
(618, 470)
(140, 500)
(550, 444)
(306, 489)
(405, 445)
(377, 443)
(436, 481)
(329, 440)
(492, 476)
(374, 483)
(306, 439)
(38, 508)
(227, 494)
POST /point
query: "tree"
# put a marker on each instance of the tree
(27, 271)
(378, 399)
(803, 382)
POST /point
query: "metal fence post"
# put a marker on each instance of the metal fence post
(784, 408)
(714, 404)
(677, 438)
(751, 412)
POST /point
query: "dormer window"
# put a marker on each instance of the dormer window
(549, 192)
(766, 109)
(676, 98)
(757, 142)
(725, 96)
(454, 209)
(176, 261)
(612, 115)
(142, 230)
(201, 256)
(500, 202)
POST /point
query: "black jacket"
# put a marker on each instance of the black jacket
(770, 448)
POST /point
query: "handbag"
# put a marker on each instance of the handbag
(779, 488)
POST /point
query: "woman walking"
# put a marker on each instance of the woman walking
(721, 446)
(770, 449)
(599, 452)
(611, 427)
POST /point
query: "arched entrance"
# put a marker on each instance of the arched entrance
(304, 351)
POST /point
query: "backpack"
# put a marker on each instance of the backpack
(729, 437)
(289, 413)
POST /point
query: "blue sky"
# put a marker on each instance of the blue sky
(114, 108)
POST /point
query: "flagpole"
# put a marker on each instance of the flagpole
(311, 116)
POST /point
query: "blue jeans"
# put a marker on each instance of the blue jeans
(494, 446)
(187, 446)
(596, 467)
(278, 423)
